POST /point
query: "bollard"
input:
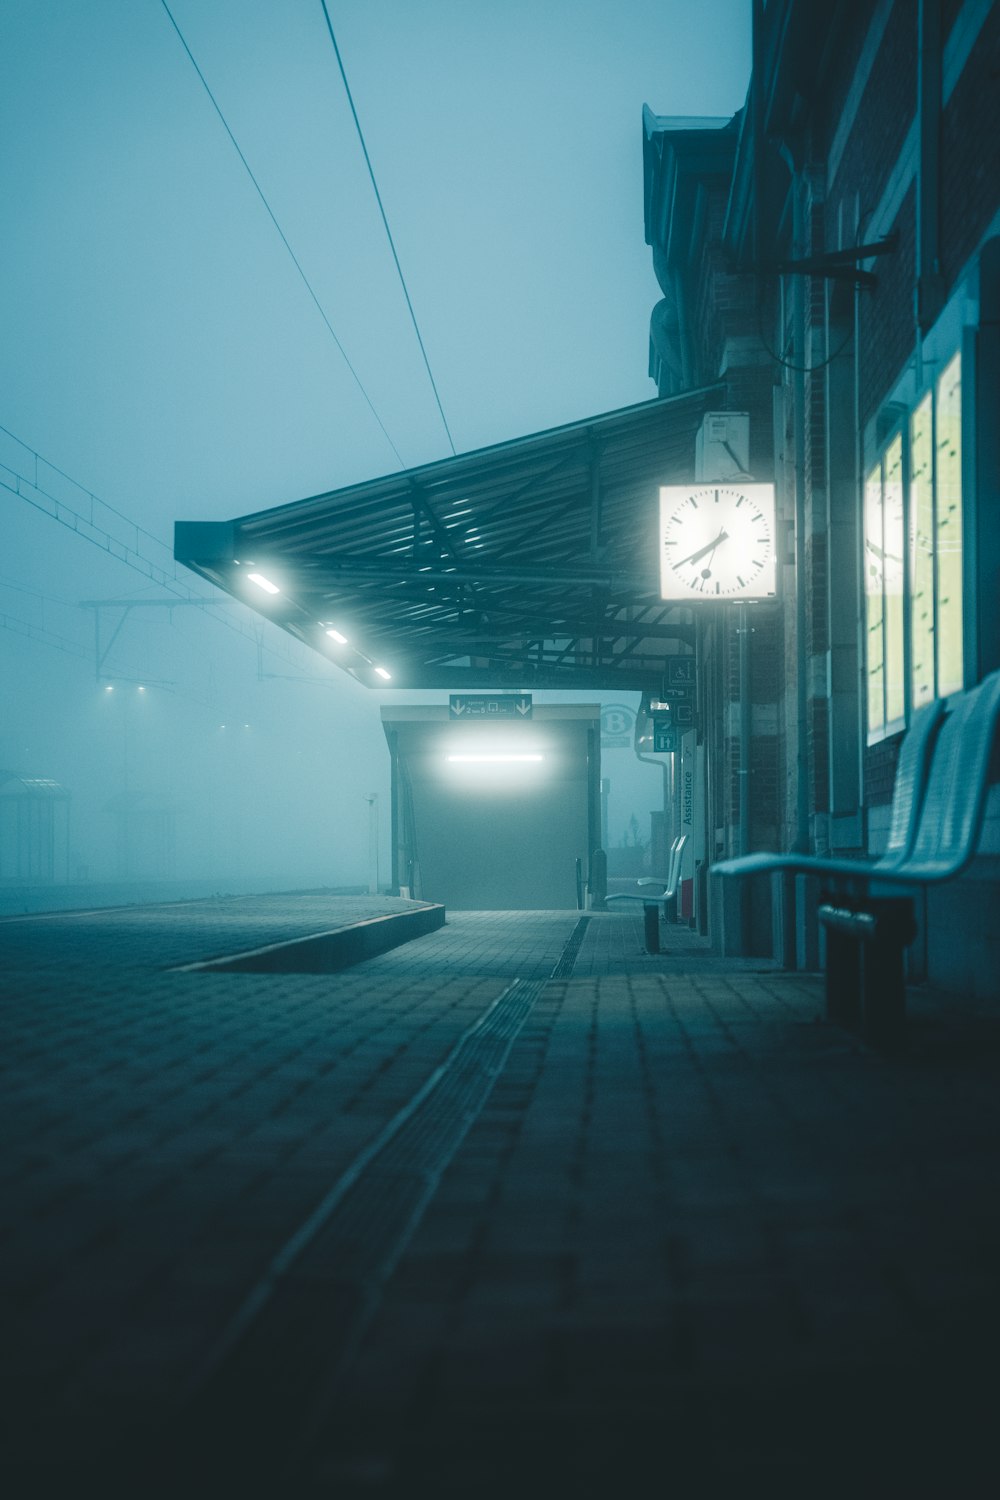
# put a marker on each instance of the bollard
(598, 882)
(651, 926)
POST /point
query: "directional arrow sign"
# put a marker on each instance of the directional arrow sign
(666, 740)
(489, 706)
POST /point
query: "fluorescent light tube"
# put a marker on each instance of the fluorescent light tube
(263, 583)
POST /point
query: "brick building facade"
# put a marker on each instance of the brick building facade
(832, 254)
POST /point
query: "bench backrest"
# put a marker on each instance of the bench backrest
(912, 773)
(952, 814)
(674, 871)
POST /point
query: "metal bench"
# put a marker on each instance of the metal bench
(937, 814)
(651, 904)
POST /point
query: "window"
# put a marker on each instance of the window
(875, 603)
(922, 553)
(948, 529)
(913, 561)
(884, 574)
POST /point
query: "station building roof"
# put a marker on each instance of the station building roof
(530, 563)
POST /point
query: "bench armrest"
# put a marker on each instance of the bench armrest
(799, 864)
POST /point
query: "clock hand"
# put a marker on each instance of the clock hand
(709, 547)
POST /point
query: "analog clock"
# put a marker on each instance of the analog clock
(717, 541)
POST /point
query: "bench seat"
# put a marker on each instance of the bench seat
(867, 908)
(651, 901)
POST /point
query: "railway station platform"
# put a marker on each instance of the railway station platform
(510, 1208)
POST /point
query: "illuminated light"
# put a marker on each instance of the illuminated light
(335, 635)
(492, 759)
(109, 687)
(387, 676)
(264, 583)
(141, 688)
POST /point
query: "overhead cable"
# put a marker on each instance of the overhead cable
(295, 260)
(385, 222)
(25, 475)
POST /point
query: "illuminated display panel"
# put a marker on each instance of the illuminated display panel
(914, 562)
(874, 602)
(893, 535)
(948, 530)
(922, 554)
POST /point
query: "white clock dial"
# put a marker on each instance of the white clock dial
(717, 541)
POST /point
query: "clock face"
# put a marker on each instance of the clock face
(717, 541)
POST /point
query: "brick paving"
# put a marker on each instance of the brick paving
(694, 1241)
(615, 943)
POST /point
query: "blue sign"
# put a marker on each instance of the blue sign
(666, 739)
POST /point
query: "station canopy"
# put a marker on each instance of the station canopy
(533, 563)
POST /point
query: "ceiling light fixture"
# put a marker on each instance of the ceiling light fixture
(491, 759)
(264, 583)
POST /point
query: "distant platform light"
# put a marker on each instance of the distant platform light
(387, 676)
(335, 635)
(492, 759)
(109, 687)
(264, 583)
(141, 688)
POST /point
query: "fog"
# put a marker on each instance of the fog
(160, 359)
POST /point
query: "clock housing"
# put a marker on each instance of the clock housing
(717, 542)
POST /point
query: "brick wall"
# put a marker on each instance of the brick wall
(970, 152)
(843, 59)
(880, 763)
(819, 755)
(887, 331)
(885, 113)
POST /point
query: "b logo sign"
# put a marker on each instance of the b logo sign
(617, 721)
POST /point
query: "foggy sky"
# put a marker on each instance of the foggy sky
(158, 346)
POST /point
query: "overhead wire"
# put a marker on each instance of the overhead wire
(385, 223)
(284, 240)
(29, 487)
(42, 635)
(95, 500)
